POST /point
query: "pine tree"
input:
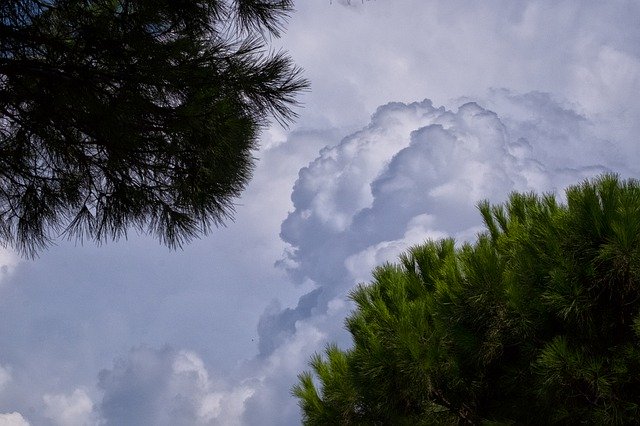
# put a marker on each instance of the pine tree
(120, 114)
(537, 322)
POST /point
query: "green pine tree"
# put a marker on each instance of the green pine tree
(120, 114)
(537, 322)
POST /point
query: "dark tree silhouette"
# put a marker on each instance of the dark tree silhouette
(118, 114)
(538, 322)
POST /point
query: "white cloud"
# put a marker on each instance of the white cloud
(167, 387)
(213, 403)
(419, 229)
(70, 410)
(415, 172)
(377, 51)
(271, 403)
(412, 160)
(12, 419)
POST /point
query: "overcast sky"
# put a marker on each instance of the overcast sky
(418, 109)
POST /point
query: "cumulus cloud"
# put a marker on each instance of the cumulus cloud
(167, 387)
(12, 419)
(70, 410)
(271, 402)
(419, 229)
(417, 171)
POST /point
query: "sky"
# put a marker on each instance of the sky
(418, 109)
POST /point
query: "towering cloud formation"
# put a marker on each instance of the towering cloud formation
(418, 171)
(415, 172)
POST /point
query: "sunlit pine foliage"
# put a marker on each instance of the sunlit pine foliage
(537, 322)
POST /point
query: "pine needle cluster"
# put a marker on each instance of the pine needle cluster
(120, 114)
(537, 322)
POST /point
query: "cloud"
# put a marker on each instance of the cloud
(380, 50)
(419, 229)
(12, 419)
(70, 410)
(167, 387)
(271, 402)
(417, 171)
(102, 301)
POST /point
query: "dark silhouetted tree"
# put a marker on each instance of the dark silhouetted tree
(538, 322)
(118, 114)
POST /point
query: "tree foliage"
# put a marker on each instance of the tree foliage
(537, 322)
(119, 113)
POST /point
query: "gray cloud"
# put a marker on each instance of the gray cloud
(584, 51)
(166, 387)
(75, 409)
(415, 159)
(134, 388)
(418, 171)
(13, 419)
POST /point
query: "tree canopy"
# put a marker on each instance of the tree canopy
(537, 322)
(118, 114)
